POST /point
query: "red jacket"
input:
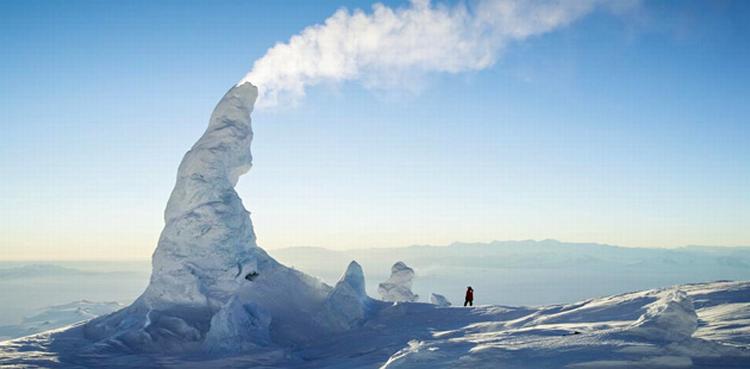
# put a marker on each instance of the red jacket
(469, 295)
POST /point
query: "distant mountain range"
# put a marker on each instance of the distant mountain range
(49, 270)
(526, 254)
(27, 287)
(530, 272)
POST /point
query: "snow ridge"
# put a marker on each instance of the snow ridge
(670, 318)
(439, 300)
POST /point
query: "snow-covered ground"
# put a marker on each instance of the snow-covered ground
(58, 316)
(690, 326)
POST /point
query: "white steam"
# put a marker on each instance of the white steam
(382, 47)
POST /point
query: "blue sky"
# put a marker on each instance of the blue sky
(628, 129)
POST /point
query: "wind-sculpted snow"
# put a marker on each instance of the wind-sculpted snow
(439, 300)
(649, 329)
(398, 286)
(670, 318)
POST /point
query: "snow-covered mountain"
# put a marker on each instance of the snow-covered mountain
(46, 270)
(37, 271)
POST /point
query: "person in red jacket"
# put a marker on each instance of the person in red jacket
(469, 296)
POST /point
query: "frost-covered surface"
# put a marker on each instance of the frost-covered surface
(206, 247)
(597, 333)
(347, 305)
(398, 286)
(58, 316)
(212, 288)
(439, 300)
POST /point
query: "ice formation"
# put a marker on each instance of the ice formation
(211, 286)
(439, 300)
(347, 305)
(398, 287)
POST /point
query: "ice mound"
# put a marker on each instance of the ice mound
(670, 318)
(398, 287)
(347, 305)
(439, 300)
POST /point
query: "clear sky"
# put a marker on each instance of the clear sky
(629, 129)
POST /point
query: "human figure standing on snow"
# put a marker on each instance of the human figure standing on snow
(469, 296)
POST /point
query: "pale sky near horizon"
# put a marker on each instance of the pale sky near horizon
(628, 129)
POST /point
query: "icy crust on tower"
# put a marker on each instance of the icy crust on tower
(208, 244)
(211, 286)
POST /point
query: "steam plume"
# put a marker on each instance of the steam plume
(379, 48)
